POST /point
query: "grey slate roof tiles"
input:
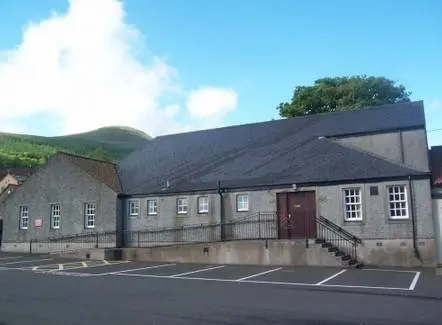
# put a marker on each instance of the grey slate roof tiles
(278, 152)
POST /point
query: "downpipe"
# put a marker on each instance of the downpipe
(413, 221)
(221, 203)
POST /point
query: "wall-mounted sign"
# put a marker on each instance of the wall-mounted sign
(38, 222)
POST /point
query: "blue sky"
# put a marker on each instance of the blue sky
(259, 50)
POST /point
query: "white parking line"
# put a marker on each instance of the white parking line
(330, 277)
(387, 270)
(10, 258)
(258, 274)
(197, 271)
(28, 261)
(414, 282)
(296, 284)
(137, 269)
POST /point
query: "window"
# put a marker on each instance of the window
(182, 206)
(242, 202)
(203, 204)
(89, 211)
(134, 207)
(24, 217)
(152, 207)
(55, 216)
(397, 199)
(352, 204)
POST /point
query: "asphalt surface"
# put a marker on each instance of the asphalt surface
(40, 290)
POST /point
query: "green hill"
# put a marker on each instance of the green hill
(108, 143)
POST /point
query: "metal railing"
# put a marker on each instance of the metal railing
(338, 238)
(85, 240)
(262, 225)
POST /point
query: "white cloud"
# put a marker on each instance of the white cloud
(85, 67)
(211, 101)
(435, 104)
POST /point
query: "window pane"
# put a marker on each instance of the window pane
(352, 204)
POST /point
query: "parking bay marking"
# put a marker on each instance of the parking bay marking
(414, 282)
(137, 269)
(84, 265)
(330, 277)
(296, 284)
(197, 271)
(258, 274)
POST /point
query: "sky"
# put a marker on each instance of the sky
(172, 65)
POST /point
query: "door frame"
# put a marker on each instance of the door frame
(311, 221)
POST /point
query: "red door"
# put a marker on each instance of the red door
(297, 211)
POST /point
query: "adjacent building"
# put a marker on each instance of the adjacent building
(436, 169)
(68, 195)
(366, 171)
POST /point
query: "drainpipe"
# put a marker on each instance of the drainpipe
(413, 220)
(221, 204)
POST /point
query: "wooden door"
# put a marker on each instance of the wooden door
(296, 212)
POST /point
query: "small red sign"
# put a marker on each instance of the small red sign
(38, 222)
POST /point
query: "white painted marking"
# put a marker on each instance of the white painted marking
(197, 271)
(362, 287)
(29, 261)
(331, 277)
(386, 270)
(260, 282)
(414, 282)
(88, 266)
(258, 274)
(10, 258)
(138, 269)
(60, 266)
(105, 262)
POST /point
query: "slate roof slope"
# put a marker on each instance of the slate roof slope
(436, 164)
(101, 170)
(268, 153)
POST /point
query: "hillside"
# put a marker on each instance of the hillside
(108, 143)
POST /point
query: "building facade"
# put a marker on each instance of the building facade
(365, 171)
(68, 195)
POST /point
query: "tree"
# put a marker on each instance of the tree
(343, 94)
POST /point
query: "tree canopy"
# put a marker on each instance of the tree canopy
(343, 94)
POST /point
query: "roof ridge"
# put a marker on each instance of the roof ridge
(84, 157)
(352, 111)
(373, 155)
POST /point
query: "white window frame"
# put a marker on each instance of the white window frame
(152, 210)
(353, 208)
(242, 205)
(134, 210)
(182, 205)
(90, 213)
(203, 204)
(55, 216)
(399, 204)
(24, 217)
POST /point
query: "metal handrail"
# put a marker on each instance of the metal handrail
(338, 229)
(340, 239)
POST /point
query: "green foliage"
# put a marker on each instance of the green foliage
(343, 94)
(109, 144)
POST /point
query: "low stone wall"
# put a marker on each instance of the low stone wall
(397, 252)
(43, 248)
(254, 252)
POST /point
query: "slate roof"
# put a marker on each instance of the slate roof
(16, 171)
(102, 171)
(279, 152)
(436, 165)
